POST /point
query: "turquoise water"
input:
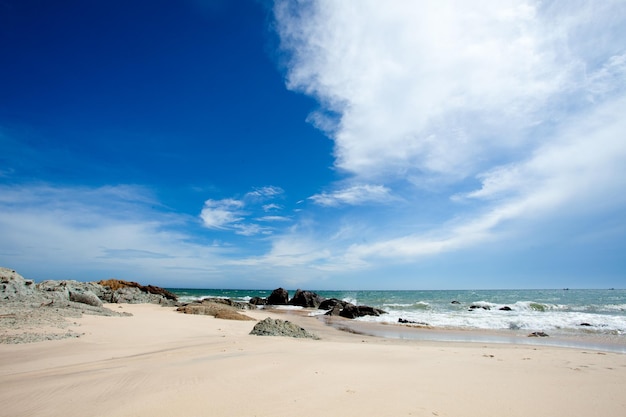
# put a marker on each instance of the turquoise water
(575, 311)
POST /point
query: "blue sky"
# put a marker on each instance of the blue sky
(315, 144)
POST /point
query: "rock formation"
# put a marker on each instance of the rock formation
(277, 327)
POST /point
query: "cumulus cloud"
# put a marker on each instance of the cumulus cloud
(354, 195)
(522, 97)
(439, 88)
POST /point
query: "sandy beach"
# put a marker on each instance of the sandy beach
(162, 363)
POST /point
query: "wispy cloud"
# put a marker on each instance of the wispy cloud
(81, 232)
(239, 215)
(354, 195)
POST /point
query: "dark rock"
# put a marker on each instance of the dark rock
(277, 327)
(351, 311)
(278, 297)
(330, 303)
(258, 301)
(585, 324)
(505, 308)
(538, 334)
(306, 299)
(474, 307)
(335, 311)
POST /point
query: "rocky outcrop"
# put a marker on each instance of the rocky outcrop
(307, 299)
(13, 286)
(278, 297)
(119, 291)
(277, 327)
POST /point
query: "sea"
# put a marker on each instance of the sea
(596, 315)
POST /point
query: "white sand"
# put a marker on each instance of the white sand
(163, 363)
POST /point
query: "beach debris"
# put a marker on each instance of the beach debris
(538, 334)
(278, 327)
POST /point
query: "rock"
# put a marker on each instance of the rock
(335, 311)
(277, 327)
(119, 291)
(278, 297)
(419, 324)
(585, 324)
(474, 307)
(306, 299)
(239, 305)
(258, 301)
(13, 286)
(538, 334)
(86, 297)
(505, 308)
(351, 311)
(215, 309)
(330, 303)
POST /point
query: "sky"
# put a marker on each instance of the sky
(320, 144)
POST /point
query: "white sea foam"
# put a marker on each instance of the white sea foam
(523, 319)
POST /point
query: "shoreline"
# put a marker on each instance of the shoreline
(161, 363)
(596, 342)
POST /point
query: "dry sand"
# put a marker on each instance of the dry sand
(162, 363)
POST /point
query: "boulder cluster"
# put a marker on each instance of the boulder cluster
(14, 287)
(309, 299)
(33, 312)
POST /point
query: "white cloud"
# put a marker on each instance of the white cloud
(354, 195)
(233, 214)
(264, 193)
(84, 233)
(217, 214)
(526, 97)
(439, 88)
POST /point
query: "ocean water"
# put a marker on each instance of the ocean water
(561, 312)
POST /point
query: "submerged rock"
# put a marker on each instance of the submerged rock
(277, 327)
